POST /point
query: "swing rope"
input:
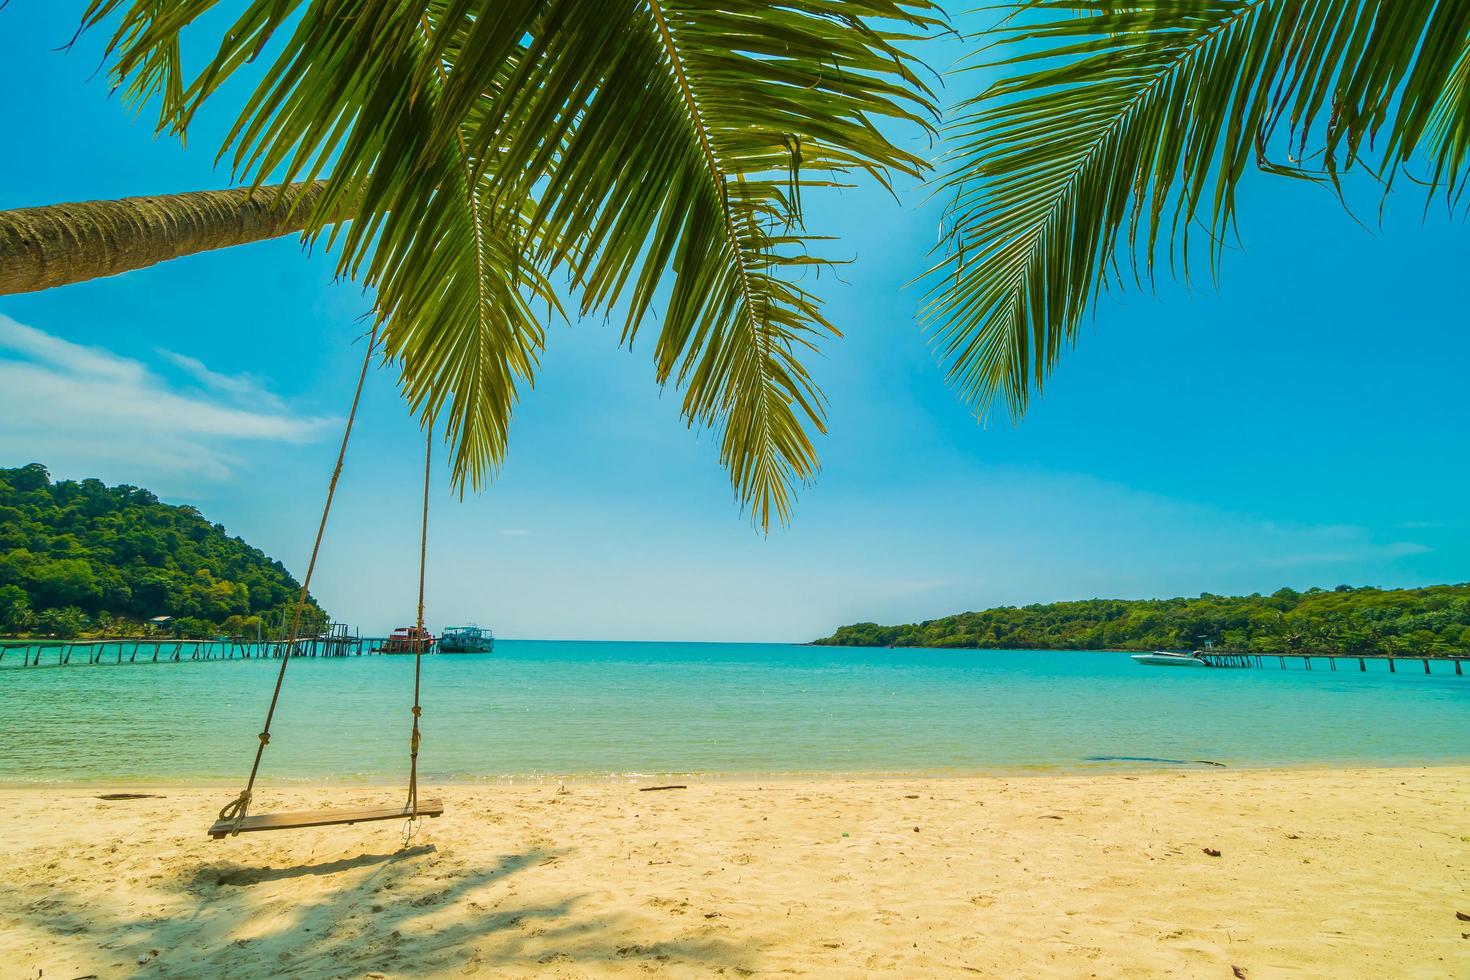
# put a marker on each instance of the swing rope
(236, 810)
(420, 641)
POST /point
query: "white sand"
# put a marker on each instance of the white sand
(1322, 873)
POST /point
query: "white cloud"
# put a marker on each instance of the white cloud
(67, 357)
(1401, 549)
(63, 402)
(243, 388)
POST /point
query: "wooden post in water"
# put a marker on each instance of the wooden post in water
(1361, 665)
(1391, 668)
(1426, 665)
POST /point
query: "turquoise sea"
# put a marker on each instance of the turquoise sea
(584, 710)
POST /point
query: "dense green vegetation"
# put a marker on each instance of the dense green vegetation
(79, 558)
(1347, 620)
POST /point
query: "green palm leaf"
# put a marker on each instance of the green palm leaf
(654, 152)
(1127, 126)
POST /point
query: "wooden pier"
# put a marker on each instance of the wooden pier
(1218, 659)
(336, 641)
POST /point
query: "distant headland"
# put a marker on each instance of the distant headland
(80, 557)
(1431, 620)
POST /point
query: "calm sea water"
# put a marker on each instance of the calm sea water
(541, 709)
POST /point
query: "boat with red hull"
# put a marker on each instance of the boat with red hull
(408, 639)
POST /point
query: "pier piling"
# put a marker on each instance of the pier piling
(1254, 660)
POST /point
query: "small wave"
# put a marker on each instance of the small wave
(1153, 759)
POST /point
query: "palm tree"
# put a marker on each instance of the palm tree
(460, 154)
(1125, 127)
(60, 244)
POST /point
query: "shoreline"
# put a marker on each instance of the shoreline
(1101, 769)
(1343, 872)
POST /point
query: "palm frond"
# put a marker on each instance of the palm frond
(467, 333)
(654, 150)
(1127, 126)
(689, 151)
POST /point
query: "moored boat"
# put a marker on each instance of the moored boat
(1166, 658)
(466, 639)
(408, 639)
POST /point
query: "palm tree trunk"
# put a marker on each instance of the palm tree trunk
(66, 243)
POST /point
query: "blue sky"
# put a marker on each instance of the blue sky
(1302, 424)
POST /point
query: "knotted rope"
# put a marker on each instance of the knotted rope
(420, 642)
(235, 811)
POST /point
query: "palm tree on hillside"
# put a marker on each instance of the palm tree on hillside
(1117, 133)
(459, 154)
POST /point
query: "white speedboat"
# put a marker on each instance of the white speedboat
(1163, 658)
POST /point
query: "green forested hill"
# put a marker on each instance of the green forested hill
(1349, 620)
(83, 557)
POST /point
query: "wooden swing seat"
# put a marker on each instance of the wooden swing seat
(321, 818)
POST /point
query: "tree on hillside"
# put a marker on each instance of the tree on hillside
(1118, 132)
(459, 153)
(1360, 621)
(80, 556)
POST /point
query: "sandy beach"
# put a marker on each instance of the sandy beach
(1331, 873)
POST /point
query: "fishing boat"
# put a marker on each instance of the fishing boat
(408, 639)
(466, 639)
(1167, 658)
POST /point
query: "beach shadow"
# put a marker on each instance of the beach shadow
(417, 911)
(217, 875)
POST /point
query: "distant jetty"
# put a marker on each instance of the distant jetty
(24, 653)
(1214, 659)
